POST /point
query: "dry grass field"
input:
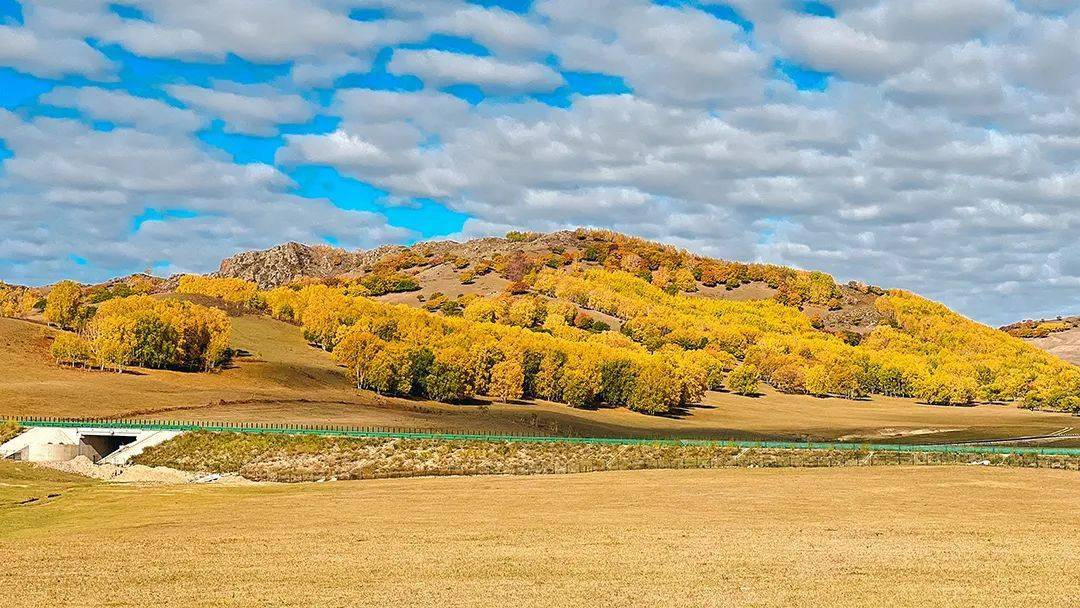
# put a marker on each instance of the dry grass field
(897, 536)
(282, 379)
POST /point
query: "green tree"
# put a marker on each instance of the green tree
(450, 378)
(617, 377)
(155, 342)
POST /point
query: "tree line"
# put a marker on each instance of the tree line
(137, 330)
(533, 352)
(670, 346)
(670, 349)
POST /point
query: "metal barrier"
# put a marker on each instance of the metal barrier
(400, 433)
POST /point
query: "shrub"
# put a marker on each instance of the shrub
(516, 236)
(8, 430)
(383, 283)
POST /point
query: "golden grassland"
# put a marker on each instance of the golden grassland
(282, 379)
(896, 536)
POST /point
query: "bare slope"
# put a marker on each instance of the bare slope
(1064, 344)
(1059, 336)
(938, 536)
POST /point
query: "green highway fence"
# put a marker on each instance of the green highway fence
(405, 433)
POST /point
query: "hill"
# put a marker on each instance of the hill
(1059, 337)
(799, 331)
(1064, 344)
(278, 378)
(488, 266)
(611, 325)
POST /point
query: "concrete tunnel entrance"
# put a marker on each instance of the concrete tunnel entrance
(113, 444)
(103, 445)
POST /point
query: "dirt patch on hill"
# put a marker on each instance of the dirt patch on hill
(445, 279)
(81, 465)
(1064, 344)
(140, 474)
(742, 293)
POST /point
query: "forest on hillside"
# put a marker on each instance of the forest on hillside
(541, 338)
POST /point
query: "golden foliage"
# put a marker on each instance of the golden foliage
(16, 302)
(672, 347)
(63, 304)
(744, 379)
(148, 332)
(233, 291)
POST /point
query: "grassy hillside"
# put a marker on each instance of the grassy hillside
(493, 334)
(281, 378)
(590, 318)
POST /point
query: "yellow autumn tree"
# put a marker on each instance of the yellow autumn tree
(743, 380)
(508, 378)
(63, 304)
(357, 351)
(232, 291)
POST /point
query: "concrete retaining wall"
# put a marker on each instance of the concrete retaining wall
(55, 452)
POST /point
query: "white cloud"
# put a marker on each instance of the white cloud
(932, 21)
(495, 28)
(254, 110)
(273, 32)
(941, 157)
(123, 108)
(678, 55)
(50, 57)
(81, 197)
(442, 68)
(830, 45)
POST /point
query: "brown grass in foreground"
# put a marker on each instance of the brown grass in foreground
(307, 458)
(896, 536)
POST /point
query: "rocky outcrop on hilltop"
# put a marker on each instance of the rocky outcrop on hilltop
(285, 263)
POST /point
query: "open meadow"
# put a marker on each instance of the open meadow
(887, 536)
(279, 378)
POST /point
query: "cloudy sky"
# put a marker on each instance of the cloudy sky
(921, 144)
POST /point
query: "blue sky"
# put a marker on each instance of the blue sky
(904, 143)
